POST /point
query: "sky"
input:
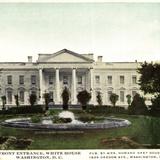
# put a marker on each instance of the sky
(118, 31)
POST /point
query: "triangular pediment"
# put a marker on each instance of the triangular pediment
(63, 56)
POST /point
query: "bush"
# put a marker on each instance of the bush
(155, 107)
(114, 98)
(65, 98)
(23, 110)
(84, 98)
(32, 99)
(35, 119)
(102, 110)
(87, 118)
(138, 106)
(56, 119)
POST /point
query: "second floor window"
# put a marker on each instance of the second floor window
(121, 79)
(134, 79)
(97, 78)
(9, 79)
(109, 79)
(33, 79)
(21, 79)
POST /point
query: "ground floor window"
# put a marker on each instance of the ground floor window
(133, 93)
(121, 96)
(109, 94)
(9, 96)
(21, 96)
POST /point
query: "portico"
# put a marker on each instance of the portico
(53, 80)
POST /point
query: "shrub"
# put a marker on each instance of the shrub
(103, 110)
(155, 107)
(128, 96)
(65, 98)
(46, 98)
(84, 97)
(32, 99)
(113, 98)
(35, 119)
(99, 98)
(3, 102)
(56, 119)
(23, 110)
(138, 106)
(16, 99)
(87, 118)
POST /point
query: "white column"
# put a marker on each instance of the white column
(92, 87)
(57, 86)
(74, 92)
(41, 85)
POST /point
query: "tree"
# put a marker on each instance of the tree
(128, 96)
(150, 83)
(114, 98)
(99, 98)
(65, 98)
(3, 102)
(46, 99)
(83, 98)
(32, 99)
(149, 80)
(138, 105)
(16, 99)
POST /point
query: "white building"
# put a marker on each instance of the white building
(52, 72)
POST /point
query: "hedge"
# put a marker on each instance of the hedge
(23, 110)
(106, 109)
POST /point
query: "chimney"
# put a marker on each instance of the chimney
(30, 59)
(99, 58)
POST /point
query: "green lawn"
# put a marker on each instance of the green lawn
(143, 130)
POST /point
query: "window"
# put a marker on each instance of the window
(134, 79)
(133, 93)
(50, 79)
(121, 96)
(21, 96)
(21, 79)
(65, 80)
(109, 79)
(109, 94)
(121, 79)
(33, 79)
(9, 79)
(79, 79)
(9, 96)
(97, 78)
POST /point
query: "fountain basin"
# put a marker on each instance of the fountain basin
(26, 124)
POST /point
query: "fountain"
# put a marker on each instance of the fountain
(69, 123)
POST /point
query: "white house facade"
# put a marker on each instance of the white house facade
(52, 72)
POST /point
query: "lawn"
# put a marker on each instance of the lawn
(144, 130)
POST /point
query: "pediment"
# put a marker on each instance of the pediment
(63, 56)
